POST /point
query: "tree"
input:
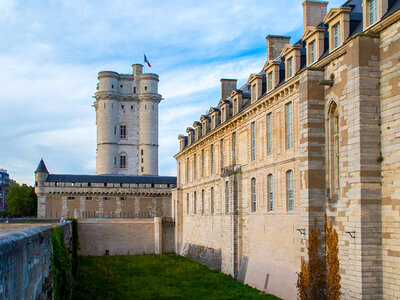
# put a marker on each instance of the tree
(21, 200)
(319, 278)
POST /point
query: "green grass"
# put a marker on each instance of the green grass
(166, 276)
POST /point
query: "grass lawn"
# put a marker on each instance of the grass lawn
(166, 276)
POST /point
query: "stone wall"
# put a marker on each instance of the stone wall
(25, 261)
(125, 236)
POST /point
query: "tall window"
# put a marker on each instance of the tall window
(202, 202)
(270, 182)
(187, 170)
(194, 203)
(333, 151)
(253, 195)
(234, 148)
(336, 35)
(289, 126)
(269, 134)
(179, 173)
(194, 167)
(212, 200)
(290, 67)
(187, 203)
(212, 159)
(202, 163)
(222, 152)
(253, 92)
(226, 196)
(289, 190)
(312, 52)
(122, 131)
(270, 81)
(372, 11)
(122, 161)
(253, 140)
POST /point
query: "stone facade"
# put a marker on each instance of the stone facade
(315, 132)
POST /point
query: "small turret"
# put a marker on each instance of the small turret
(41, 172)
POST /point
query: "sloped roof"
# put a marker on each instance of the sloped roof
(41, 167)
(111, 178)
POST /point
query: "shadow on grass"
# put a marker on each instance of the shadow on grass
(166, 276)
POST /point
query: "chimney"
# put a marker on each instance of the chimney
(275, 44)
(313, 12)
(227, 86)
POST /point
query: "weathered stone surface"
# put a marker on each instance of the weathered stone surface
(204, 255)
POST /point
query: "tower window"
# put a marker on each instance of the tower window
(122, 161)
(115, 130)
(134, 89)
(115, 161)
(121, 86)
(122, 131)
(131, 107)
(122, 106)
(145, 88)
(112, 86)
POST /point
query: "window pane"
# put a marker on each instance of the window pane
(336, 35)
(372, 11)
(270, 81)
(253, 141)
(226, 197)
(290, 196)
(270, 193)
(290, 67)
(253, 195)
(312, 52)
(289, 133)
(269, 134)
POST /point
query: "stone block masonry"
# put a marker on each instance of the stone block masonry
(25, 262)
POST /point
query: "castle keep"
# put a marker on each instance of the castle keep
(127, 184)
(127, 123)
(315, 131)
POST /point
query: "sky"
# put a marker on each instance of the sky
(51, 52)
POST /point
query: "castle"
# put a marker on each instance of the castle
(315, 131)
(127, 184)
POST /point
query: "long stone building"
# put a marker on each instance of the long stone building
(127, 184)
(315, 131)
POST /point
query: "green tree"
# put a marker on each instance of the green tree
(22, 200)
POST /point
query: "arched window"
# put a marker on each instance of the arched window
(227, 197)
(270, 181)
(122, 161)
(253, 195)
(212, 200)
(122, 131)
(289, 190)
(333, 151)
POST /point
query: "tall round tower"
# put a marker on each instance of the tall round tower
(148, 123)
(127, 123)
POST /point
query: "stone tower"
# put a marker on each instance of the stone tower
(127, 123)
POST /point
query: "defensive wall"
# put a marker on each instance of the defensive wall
(125, 236)
(25, 262)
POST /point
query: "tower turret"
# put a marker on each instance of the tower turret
(41, 172)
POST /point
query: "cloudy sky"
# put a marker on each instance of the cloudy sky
(52, 50)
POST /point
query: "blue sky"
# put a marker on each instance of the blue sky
(52, 50)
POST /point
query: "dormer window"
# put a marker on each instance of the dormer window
(253, 93)
(372, 11)
(270, 81)
(311, 50)
(336, 35)
(289, 66)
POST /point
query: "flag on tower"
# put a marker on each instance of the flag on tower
(146, 60)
